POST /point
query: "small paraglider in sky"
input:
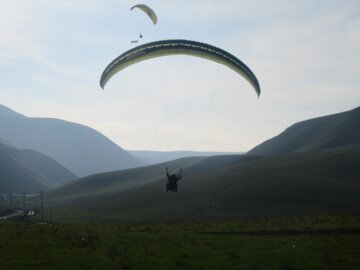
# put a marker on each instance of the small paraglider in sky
(148, 11)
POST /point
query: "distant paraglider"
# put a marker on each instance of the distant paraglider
(176, 47)
(148, 11)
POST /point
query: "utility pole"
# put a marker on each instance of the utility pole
(42, 205)
(10, 200)
(24, 200)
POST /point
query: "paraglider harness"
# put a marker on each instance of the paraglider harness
(171, 186)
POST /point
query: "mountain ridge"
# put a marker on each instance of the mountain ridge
(80, 148)
(335, 130)
(30, 171)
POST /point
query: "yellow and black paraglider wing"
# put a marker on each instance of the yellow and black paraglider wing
(148, 11)
(174, 47)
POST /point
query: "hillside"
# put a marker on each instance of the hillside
(154, 157)
(120, 181)
(79, 148)
(304, 183)
(30, 171)
(341, 129)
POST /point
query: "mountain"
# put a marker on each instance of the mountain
(154, 157)
(341, 129)
(30, 171)
(312, 167)
(79, 148)
(312, 182)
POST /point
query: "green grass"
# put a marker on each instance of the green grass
(320, 242)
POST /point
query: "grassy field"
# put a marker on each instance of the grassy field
(322, 242)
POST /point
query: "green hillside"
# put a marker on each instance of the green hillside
(29, 171)
(342, 129)
(292, 184)
(120, 181)
(107, 183)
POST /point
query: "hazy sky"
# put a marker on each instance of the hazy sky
(305, 54)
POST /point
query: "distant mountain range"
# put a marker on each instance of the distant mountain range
(154, 157)
(30, 171)
(313, 167)
(81, 149)
(336, 130)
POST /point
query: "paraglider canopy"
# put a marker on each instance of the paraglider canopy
(176, 47)
(148, 11)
